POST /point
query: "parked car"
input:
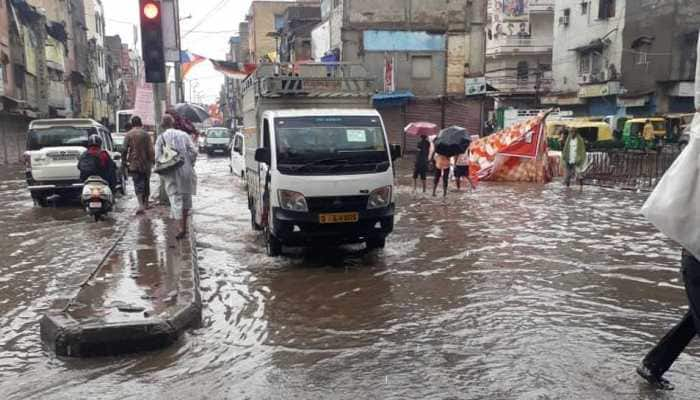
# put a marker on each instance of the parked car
(51, 159)
(237, 155)
(217, 141)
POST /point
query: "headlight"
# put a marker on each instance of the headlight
(379, 198)
(292, 201)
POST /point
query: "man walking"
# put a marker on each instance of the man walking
(180, 182)
(573, 157)
(420, 168)
(139, 156)
(662, 356)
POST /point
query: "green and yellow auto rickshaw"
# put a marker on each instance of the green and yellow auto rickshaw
(633, 133)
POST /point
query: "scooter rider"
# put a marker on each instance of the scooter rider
(96, 161)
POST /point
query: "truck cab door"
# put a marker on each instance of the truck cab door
(264, 193)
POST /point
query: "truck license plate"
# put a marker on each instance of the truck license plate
(95, 204)
(338, 218)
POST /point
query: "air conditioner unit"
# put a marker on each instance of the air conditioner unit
(584, 78)
(564, 20)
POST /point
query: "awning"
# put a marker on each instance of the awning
(597, 45)
(392, 99)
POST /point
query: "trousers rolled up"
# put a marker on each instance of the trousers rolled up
(662, 356)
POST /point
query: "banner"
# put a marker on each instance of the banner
(511, 18)
(143, 103)
(233, 69)
(516, 154)
(389, 77)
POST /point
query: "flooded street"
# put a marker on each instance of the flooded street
(510, 292)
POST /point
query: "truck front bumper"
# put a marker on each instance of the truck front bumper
(294, 228)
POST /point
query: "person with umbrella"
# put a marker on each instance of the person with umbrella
(420, 167)
(451, 142)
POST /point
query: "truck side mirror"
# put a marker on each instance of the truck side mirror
(395, 151)
(262, 155)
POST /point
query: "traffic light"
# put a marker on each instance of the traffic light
(152, 41)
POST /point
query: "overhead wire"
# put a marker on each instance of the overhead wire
(217, 7)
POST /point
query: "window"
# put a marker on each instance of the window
(584, 8)
(3, 72)
(641, 58)
(523, 71)
(590, 63)
(422, 67)
(266, 134)
(238, 145)
(279, 22)
(606, 9)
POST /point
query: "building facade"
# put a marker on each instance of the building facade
(623, 57)
(264, 20)
(295, 34)
(519, 53)
(430, 47)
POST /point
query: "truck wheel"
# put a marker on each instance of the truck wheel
(376, 243)
(40, 200)
(273, 246)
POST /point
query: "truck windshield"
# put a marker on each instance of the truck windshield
(59, 136)
(324, 144)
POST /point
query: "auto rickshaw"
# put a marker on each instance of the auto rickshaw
(593, 133)
(676, 124)
(633, 133)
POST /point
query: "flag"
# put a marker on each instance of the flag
(232, 69)
(189, 60)
(389, 80)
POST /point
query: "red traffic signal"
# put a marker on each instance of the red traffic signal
(151, 10)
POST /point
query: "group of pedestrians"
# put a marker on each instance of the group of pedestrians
(441, 165)
(141, 155)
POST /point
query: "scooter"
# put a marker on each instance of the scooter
(97, 197)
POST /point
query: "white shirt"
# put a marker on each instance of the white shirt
(573, 143)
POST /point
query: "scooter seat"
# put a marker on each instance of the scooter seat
(96, 179)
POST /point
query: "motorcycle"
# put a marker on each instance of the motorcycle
(97, 197)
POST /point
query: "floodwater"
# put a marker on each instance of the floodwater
(510, 292)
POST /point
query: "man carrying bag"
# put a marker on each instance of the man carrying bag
(674, 208)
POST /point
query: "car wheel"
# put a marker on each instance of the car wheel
(273, 246)
(376, 243)
(40, 200)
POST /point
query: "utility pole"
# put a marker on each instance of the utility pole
(179, 90)
(697, 78)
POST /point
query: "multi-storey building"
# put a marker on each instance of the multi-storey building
(519, 52)
(429, 46)
(623, 57)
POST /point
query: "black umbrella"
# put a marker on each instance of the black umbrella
(192, 112)
(452, 141)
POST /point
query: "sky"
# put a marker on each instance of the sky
(214, 22)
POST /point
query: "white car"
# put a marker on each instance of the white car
(237, 155)
(217, 141)
(53, 149)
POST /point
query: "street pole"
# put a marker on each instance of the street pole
(179, 90)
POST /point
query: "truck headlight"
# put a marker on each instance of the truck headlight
(292, 201)
(379, 198)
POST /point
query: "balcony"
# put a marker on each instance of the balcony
(508, 45)
(509, 84)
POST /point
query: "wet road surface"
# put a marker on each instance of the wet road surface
(511, 292)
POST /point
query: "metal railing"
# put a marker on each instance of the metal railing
(633, 170)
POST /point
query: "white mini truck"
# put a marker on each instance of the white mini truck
(319, 170)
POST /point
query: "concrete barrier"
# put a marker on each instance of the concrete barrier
(143, 296)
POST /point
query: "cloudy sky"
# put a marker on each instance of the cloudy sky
(206, 33)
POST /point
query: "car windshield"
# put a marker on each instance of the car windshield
(308, 139)
(218, 134)
(58, 136)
